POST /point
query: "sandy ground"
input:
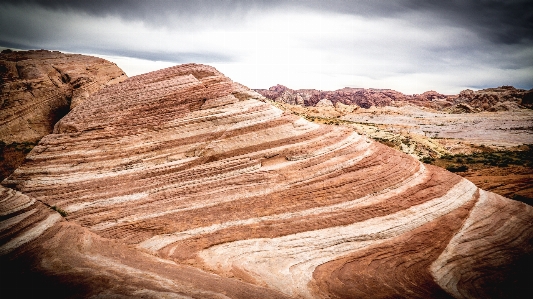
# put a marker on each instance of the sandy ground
(493, 129)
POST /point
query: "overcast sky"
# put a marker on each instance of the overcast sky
(407, 45)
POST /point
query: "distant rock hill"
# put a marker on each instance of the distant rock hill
(37, 88)
(492, 99)
(182, 183)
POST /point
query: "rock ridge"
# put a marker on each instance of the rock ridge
(38, 87)
(503, 98)
(183, 183)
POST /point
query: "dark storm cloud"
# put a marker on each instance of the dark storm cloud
(500, 21)
(410, 45)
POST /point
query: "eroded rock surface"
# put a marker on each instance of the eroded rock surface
(181, 182)
(39, 87)
(61, 259)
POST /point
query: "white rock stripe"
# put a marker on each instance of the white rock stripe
(287, 263)
(350, 140)
(451, 270)
(30, 234)
(15, 219)
(160, 241)
(440, 269)
(106, 202)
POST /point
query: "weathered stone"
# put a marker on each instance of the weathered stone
(490, 99)
(181, 182)
(39, 87)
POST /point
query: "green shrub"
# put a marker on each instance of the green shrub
(455, 168)
(60, 211)
(427, 160)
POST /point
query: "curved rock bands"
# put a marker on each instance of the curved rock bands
(287, 263)
(22, 220)
(68, 182)
(417, 188)
(273, 225)
(193, 197)
(115, 158)
(288, 196)
(39, 87)
(12, 201)
(191, 241)
(404, 262)
(53, 253)
(188, 166)
(493, 245)
(164, 100)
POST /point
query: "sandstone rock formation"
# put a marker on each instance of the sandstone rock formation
(38, 87)
(182, 183)
(503, 98)
(345, 109)
(349, 96)
(61, 259)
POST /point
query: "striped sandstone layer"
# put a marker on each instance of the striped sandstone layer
(38, 87)
(61, 259)
(184, 170)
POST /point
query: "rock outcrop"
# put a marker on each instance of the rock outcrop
(61, 259)
(324, 103)
(39, 87)
(362, 97)
(503, 98)
(181, 182)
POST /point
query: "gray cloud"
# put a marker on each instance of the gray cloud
(363, 43)
(176, 57)
(501, 21)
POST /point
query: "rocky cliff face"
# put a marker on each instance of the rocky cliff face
(349, 96)
(37, 88)
(496, 99)
(181, 182)
(503, 98)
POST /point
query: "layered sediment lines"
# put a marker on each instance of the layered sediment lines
(61, 259)
(183, 172)
(37, 88)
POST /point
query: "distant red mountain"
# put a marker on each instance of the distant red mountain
(491, 99)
